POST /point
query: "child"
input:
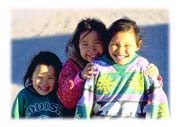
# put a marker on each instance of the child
(121, 88)
(38, 99)
(86, 45)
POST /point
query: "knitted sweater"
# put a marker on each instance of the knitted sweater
(122, 92)
(70, 96)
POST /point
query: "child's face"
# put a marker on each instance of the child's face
(43, 79)
(122, 47)
(90, 45)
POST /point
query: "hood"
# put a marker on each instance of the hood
(73, 54)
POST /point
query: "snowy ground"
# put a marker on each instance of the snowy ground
(35, 30)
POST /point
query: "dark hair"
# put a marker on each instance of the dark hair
(84, 25)
(122, 25)
(43, 57)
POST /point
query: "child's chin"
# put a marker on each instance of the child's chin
(119, 62)
(44, 93)
(122, 62)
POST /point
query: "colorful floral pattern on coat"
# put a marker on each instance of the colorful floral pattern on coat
(123, 94)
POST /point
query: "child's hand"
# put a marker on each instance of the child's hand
(152, 70)
(71, 84)
(88, 72)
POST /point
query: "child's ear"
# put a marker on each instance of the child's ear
(139, 44)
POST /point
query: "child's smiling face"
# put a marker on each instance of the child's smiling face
(90, 45)
(123, 46)
(43, 79)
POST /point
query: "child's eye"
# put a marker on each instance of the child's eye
(40, 76)
(52, 78)
(127, 45)
(114, 45)
(97, 41)
(84, 44)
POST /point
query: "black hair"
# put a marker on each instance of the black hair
(122, 25)
(84, 25)
(43, 57)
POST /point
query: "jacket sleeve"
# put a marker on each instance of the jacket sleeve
(70, 96)
(158, 108)
(18, 108)
(85, 104)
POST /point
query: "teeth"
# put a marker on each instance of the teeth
(93, 56)
(121, 57)
(44, 88)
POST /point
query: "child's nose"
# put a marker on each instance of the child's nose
(92, 48)
(45, 81)
(120, 49)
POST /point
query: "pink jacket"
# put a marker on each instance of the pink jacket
(67, 95)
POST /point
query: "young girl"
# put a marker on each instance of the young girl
(86, 45)
(38, 99)
(122, 89)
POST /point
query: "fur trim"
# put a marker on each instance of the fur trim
(72, 53)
